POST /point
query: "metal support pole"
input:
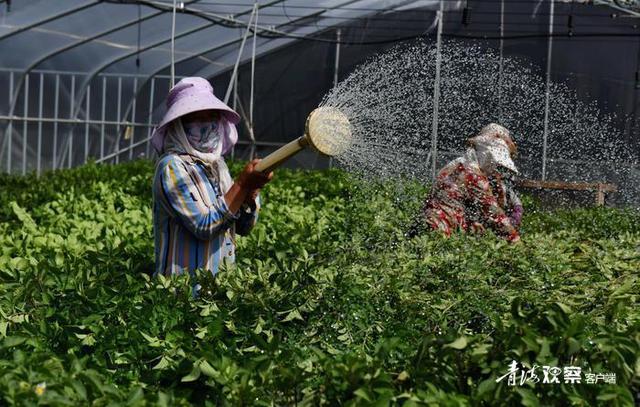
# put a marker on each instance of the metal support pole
(501, 66)
(253, 75)
(71, 108)
(235, 67)
(336, 70)
(56, 98)
(235, 107)
(103, 113)
(39, 145)
(245, 118)
(150, 116)
(24, 126)
(9, 126)
(235, 92)
(117, 146)
(87, 117)
(133, 118)
(547, 92)
(436, 93)
(336, 65)
(112, 155)
(173, 45)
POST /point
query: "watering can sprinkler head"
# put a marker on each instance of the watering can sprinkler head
(327, 130)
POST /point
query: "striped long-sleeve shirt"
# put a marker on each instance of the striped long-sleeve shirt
(193, 226)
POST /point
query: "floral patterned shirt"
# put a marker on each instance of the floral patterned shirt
(507, 197)
(462, 199)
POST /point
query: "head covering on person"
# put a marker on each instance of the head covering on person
(493, 131)
(493, 148)
(494, 153)
(191, 95)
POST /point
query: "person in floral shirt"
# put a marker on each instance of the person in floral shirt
(502, 186)
(462, 198)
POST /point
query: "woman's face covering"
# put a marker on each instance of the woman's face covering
(202, 130)
(485, 159)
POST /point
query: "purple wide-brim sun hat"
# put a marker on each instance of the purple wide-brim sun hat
(188, 96)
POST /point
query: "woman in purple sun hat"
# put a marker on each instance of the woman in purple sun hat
(197, 206)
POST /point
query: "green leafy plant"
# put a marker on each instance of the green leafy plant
(330, 303)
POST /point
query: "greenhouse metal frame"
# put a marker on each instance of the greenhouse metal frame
(70, 101)
(84, 88)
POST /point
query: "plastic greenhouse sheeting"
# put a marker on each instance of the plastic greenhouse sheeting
(90, 49)
(104, 53)
(110, 64)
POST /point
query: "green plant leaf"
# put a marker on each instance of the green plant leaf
(162, 364)
(459, 343)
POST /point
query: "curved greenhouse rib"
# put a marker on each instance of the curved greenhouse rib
(67, 47)
(227, 19)
(48, 19)
(236, 40)
(270, 30)
(94, 73)
(215, 48)
(83, 41)
(137, 91)
(295, 36)
(97, 71)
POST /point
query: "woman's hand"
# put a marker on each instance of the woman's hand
(250, 179)
(246, 186)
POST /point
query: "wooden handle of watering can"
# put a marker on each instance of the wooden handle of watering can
(282, 154)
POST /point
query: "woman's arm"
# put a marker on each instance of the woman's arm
(204, 221)
(515, 207)
(480, 191)
(183, 197)
(249, 181)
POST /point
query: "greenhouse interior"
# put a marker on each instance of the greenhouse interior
(331, 202)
